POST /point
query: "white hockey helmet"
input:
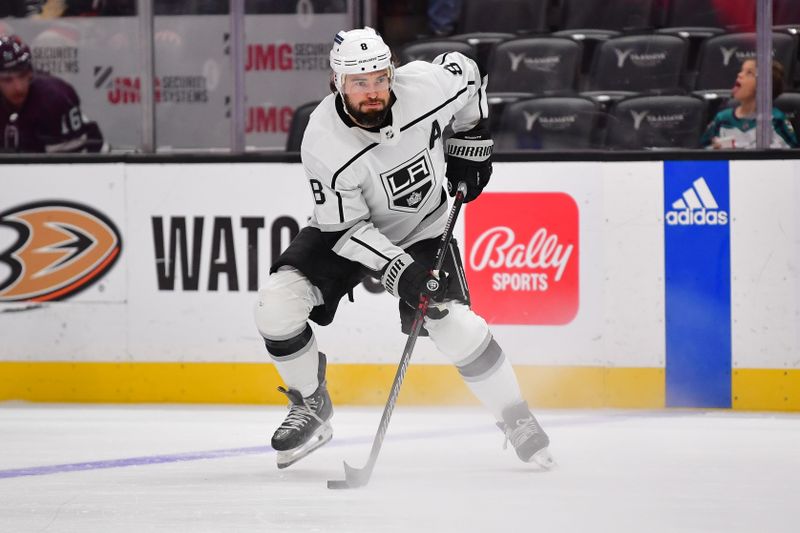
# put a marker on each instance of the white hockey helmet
(359, 51)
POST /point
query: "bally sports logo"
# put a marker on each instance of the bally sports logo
(522, 257)
(61, 248)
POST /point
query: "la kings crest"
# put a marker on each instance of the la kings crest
(407, 185)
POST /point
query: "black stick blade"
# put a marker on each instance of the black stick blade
(336, 484)
(356, 477)
(353, 478)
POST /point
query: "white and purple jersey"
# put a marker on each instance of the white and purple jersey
(380, 190)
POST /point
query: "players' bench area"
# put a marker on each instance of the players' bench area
(613, 279)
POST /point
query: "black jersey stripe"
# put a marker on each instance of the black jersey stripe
(435, 109)
(442, 200)
(341, 207)
(370, 248)
(480, 106)
(359, 154)
(480, 96)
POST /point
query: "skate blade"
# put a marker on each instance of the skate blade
(543, 459)
(323, 434)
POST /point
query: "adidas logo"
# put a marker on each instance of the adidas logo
(697, 206)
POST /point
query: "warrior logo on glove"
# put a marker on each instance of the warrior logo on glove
(470, 151)
(469, 159)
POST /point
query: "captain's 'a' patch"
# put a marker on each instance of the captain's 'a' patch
(407, 185)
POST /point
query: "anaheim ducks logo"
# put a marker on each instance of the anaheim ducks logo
(61, 249)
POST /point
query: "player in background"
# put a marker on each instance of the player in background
(39, 112)
(374, 156)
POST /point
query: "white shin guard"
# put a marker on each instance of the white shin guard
(281, 315)
(299, 369)
(464, 337)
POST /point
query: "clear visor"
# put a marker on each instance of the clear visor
(372, 82)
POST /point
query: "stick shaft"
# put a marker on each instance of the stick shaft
(359, 477)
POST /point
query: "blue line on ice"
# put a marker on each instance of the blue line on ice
(254, 450)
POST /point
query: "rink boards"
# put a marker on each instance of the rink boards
(618, 284)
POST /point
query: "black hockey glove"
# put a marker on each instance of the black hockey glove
(406, 279)
(469, 159)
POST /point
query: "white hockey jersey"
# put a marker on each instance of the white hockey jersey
(382, 190)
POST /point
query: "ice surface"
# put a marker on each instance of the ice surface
(209, 468)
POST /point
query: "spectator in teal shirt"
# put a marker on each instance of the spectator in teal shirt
(736, 127)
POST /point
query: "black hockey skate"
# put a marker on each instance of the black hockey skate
(526, 435)
(307, 426)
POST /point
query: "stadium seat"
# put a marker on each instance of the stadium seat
(716, 100)
(733, 15)
(675, 121)
(509, 16)
(278, 7)
(170, 7)
(789, 103)
(639, 63)
(785, 12)
(298, 126)
(548, 123)
(794, 31)
(538, 65)
(696, 36)
(497, 104)
(483, 42)
(427, 50)
(721, 58)
(607, 14)
(590, 39)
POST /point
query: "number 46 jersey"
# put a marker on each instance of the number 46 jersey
(378, 190)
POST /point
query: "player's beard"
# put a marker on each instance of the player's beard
(367, 119)
(16, 97)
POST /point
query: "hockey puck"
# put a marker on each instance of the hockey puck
(338, 484)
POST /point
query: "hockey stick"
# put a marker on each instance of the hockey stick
(358, 477)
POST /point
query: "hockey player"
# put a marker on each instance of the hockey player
(39, 112)
(374, 157)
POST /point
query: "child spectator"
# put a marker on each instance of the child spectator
(736, 127)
